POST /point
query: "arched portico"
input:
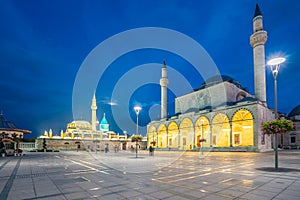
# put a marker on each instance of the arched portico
(161, 136)
(173, 132)
(151, 136)
(186, 130)
(242, 128)
(202, 131)
(220, 130)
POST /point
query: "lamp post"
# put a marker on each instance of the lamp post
(137, 110)
(275, 65)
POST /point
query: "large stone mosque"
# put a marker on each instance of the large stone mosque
(233, 125)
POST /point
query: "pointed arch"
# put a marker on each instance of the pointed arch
(151, 136)
(202, 131)
(242, 128)
(220, 130)
(186, 130)
(161, 136)
(173, 131)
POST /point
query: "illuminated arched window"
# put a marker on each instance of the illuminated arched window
(186, 139)
(173, 135)
(151, 136)
(161, 136)
(242, 128)
(220, 131)
(202, 130)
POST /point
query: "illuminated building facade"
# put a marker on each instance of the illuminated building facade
(234, 124)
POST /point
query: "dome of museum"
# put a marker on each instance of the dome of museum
(295, 111)
(80, 124)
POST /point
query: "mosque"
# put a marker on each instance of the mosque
(83, 134)
(233, 125)
(82, 129)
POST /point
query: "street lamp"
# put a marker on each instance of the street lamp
(137, 110)
(275, 65)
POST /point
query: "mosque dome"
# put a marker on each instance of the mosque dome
(295, 111)
(80, 124)
(103, 120)
(219, 79)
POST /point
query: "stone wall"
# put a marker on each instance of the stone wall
(71, 144)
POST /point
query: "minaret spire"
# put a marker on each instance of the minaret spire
(164, 82)
(94, 115)
(257, 41)
(257, 11)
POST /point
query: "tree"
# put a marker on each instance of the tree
(277, 126)
(44, 144)
(136, 138)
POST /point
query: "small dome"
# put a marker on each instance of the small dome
(103, 120)
(295, 111)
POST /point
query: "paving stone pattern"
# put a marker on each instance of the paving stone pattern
(166, 175)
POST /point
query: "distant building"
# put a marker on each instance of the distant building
(10, 130)
(82, 129)
(291, 140)
(81, 133)
(232, 123)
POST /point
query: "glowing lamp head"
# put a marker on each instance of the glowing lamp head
(275, 64)
(276, 61)
(137, 109)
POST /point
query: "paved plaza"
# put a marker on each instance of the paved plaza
(166, 175)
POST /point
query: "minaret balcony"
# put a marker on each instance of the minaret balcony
(258, 38)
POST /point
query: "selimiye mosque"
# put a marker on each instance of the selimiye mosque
(233, 124)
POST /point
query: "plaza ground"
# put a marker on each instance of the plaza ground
(166, 175)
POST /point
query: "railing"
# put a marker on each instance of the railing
(27, 146)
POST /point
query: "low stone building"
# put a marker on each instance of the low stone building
(8, 129)
(291, 140)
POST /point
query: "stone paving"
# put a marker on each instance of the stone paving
(166, 175)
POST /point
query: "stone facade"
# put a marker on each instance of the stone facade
(259, 141)
(92, 145)
(214, 95)
(220, 114)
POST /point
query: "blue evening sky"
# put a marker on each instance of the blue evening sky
(44, 42)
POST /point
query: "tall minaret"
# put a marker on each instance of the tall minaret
(257, 41)
(94, 116)
(164, 82)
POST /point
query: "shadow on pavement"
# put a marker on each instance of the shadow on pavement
(272, 169)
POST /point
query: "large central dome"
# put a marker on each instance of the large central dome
(219, 79)
(295, 111)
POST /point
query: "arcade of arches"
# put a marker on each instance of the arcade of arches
(220, 131)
